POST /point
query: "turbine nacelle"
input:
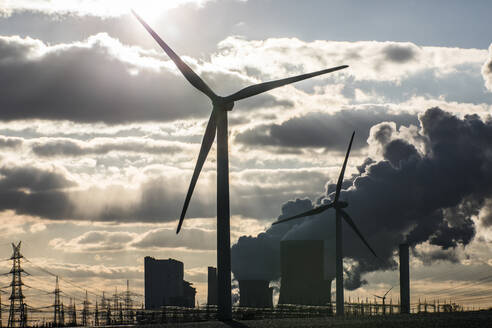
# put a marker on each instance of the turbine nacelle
(223, 103)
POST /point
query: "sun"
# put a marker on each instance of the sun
(151, 10)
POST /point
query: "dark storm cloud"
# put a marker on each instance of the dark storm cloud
(320, 130)
(32, 179)
(92, 82)
(418, 198)
(71, 148)
(399, 53)
(35, 192)
(6, 142)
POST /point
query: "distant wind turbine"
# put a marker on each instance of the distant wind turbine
(218, 121)
(338, 206)
(384, 298)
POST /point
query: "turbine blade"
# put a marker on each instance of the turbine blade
(208, 140)
(314, 211)
(388, 291)
(188, 73)
(351, 223)
(342, 173)
(253, 90)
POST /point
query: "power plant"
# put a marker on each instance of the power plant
(302, 273)
(164, 284)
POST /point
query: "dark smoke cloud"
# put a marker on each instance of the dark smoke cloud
(321, 130)
(407, 196)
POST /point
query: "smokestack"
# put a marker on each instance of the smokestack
(212, 286)
(404, 279)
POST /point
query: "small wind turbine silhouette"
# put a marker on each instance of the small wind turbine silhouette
(218, 121)
(339, 214)
(384, 298)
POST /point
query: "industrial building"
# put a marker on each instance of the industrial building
(255, 293)
(302, 272)
(212, 286)
(164, 284)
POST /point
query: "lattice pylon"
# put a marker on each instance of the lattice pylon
(17, 314)
(57, 320)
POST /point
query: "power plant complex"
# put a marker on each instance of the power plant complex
(302, 280)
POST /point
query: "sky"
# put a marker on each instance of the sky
(99, 134)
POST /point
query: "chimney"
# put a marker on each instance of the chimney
(404, 279)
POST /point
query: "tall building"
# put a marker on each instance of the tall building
(255, 294)
(302, 273)
(164, 284)
(212, 286)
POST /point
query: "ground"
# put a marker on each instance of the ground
(480, 319)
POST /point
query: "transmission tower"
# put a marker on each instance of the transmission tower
(72, 314)
(1, 308)
(57, 321)
(128, 305)
(96, 315)
(62, 315)
(17, 313)
(85, 311)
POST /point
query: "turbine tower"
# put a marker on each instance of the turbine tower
(384, 299)
(218, 122)
(339, 214)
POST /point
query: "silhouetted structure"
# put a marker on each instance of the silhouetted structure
(404, 279)
(339, 214)
(302, 274)
(57, 320)
(218, 123)
(212, 286)
(164, 284)
(255, 294)
(17, 312)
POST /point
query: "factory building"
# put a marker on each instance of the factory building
(164, 284)
(255, 293)
(302, 273)
(212, 286)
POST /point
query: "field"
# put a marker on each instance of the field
(479, 319)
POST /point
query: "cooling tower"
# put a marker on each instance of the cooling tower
(302, 281)
(255, 293)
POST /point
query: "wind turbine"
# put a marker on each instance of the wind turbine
(339, 214)
(218, 121)
(384, 298)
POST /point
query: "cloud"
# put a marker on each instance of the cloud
(487, 70)
(101, 80)
(92, 7)
(323, 130)
(120, 241)
(6, 142)
(100, 146)
(197, 239)
(406, 196)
